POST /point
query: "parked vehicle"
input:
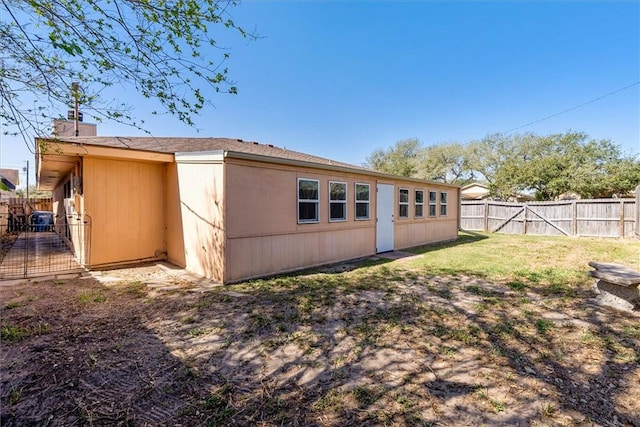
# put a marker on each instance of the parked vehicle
(41, 221)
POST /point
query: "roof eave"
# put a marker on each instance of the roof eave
(333, 168)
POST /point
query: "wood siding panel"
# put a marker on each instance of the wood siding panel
(265, 255)
(412, 234)
(125, 201)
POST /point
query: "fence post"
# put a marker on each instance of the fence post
(621, 217)
(486, 215)
(574, 215)
(526, 211)
(636, 226)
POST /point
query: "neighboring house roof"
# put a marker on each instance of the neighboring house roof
(264, 152)
(480, 191)
(11, 175)
(474, 191)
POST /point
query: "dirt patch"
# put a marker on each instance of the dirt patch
(381, 345)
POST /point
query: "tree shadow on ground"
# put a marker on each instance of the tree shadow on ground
(385, 348)
(78, 353)
(377, 346)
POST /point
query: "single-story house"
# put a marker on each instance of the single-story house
(232, 210)
(480, 191)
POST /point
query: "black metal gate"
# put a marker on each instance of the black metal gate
(41, 244)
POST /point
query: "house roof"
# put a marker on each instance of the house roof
(475, 184)
(238, 147)
(189, 145)
(12, 175)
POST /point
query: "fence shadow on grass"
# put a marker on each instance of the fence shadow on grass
(464, 238)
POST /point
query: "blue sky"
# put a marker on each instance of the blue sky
(339, 79)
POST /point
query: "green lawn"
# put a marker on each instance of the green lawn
(506, 257)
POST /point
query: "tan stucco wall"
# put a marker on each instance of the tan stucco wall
(57, 198)
(175, 237)
(263, 236)
(125, 200)
(201, 203)
(412, 231)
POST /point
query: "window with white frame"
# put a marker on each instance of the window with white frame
(337, 201)
(443, 203)
(308, 200)
(433, 201)
(362, 201)
(419, 202)
(403, 203)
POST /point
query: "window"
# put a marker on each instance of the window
(433, 200)
(419, 201)
(337, 201)
(443, 204)
(362, 201)
(403, 211)
(308, 199)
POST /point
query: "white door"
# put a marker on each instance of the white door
(384, 224)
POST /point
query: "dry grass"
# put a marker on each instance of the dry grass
(488, 330)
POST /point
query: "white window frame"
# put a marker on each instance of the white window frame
(316, 201)
(433, 203)
(401, 203)
(416, 203)
(357, 201)
(443, 203)
(337, 201)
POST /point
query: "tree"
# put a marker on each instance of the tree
(401, 159)
(33, 192)
(162, 48)
(555, 164)
(492, 158)
(547, 166)
(449, 163)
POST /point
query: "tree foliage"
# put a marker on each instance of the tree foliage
(165, 49)
(401, 159)
(449, 163)
(552, 165)
(546, 166)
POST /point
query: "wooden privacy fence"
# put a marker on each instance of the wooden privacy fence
(596, 217)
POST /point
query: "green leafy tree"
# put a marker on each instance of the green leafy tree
(552, 165)
(492, 158)
(449, 163)
(547, 166)
(602, 170)
(401, 159)
(165, 49)
(33, 192)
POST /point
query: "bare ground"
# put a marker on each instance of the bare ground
(360, 345)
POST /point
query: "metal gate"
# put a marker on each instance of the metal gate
(41, 244)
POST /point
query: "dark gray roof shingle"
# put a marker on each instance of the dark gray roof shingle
(183, 145)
